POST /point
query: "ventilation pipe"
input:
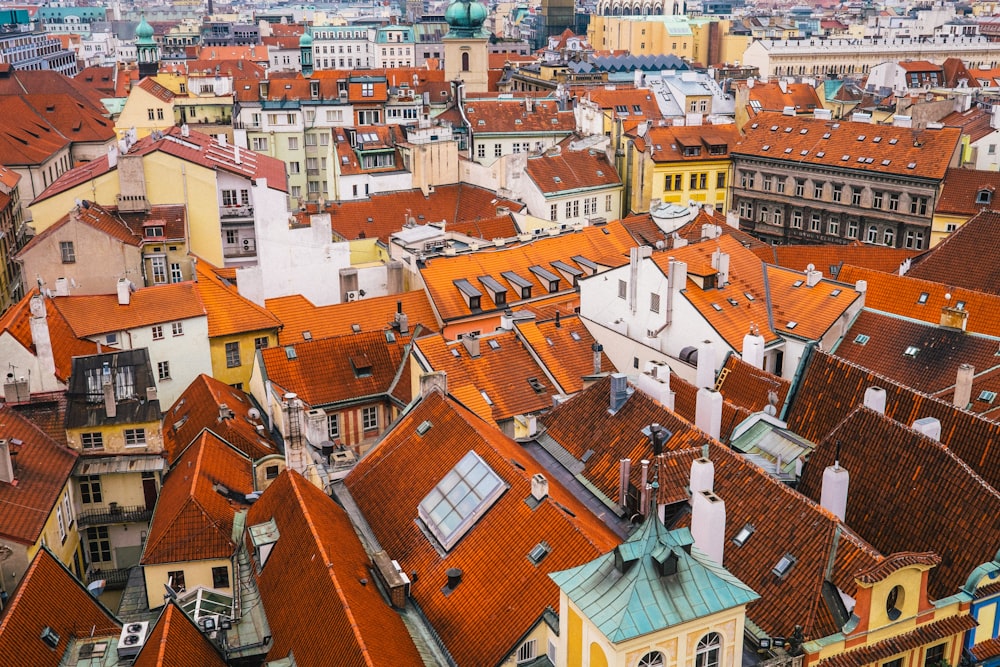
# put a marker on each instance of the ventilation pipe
(619, 392)
(6, 463)
(644, 488)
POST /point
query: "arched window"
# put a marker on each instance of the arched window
(709, 650)
(465, 62)
(651, 659)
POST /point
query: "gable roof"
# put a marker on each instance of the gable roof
(65, 344)
(50, 596)
(92, 215)
(89, 315)
(73, 118)
(674, 143)
(228, 312)
(775, 96)
(500, 541)
(948, 262)
(193, 520)
(314, 577)
(829, 258)
(27, 138)
(175, 640)
(564, 347)
(976, 123)
(960, 192)
(749, 386)
(571, 170)
(495, 116)
(41, 468)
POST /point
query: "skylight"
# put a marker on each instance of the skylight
(911, 351)
(987, 396)
(798, 283)
(486, 397)
(494, 344)
(717, 306)
(835, 292)
(784, 565)
(745, 532)
(923, 297)
(862, 339)
(791, 325)
(460, 499)
(574, 335)
(539, 553)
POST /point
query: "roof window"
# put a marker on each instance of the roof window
(987, 396)
(835, 292)
(494, 344)
(862, 339)
(798, 283)
(784, 565)
(922, 299)
(893, 141)
(717, 307)
(745, 532)
(791, 325)
(290, 353)
(984, 196)
(538, 554)
(460, 499)
(911, 351)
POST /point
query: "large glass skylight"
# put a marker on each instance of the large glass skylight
(458, 500)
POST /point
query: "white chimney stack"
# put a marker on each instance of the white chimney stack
(833, 495)
(702, 473)
(38, 324)
(963, 386)
(124, 291)
(6, 464)
(753, 348)
(706, 364)
(708, 524)
(655, 383)
(62, 287)
(813, 276)
(539, 486)
(708, 412)
(875, 399)
(929, 426)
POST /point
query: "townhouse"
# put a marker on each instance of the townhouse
(570, 185)
(498, 127)
(12, 238)
(821, 181)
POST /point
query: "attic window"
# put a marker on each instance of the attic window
(538, 554)
(290, 353)
(455, 353)
(845, 158)
(423, 427)
(356, 328)
(798, 283)
(745, 532)
(748, 295)
(486, 397)
(987, 396)
(804, 131)
(390, 337)
(826, 135)
(756, 125)
(460, 499)
(821, 154)
(893, 141)
(50, 637)
(922, 299)
(912, 165)
(307, 335)
(732, 301)
(886, 163)
(471, 295)
(480, 122)
(361, 365)
(835, 292)
(557, 179)
(788, 129)
(984, 196)
(536, 385)
(791, 325)
(574, 335)
(911, 351)
(862, 339)
(766, 147)
(717, 307)
(788, 150)
(494, 344)
(877, 140)
(861, 137)
(784, 565)
(803, 152)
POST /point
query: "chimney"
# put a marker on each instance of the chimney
(62, 287)
(644, 488)
(708, 412)
(471, 343)
(124, 291)
(454, 578)
(236, 152)
(708, 524)
(753, 348)
(433, 381)
(6, 464)
(813, 276)
(113, 156)
(720, 262)
(507, 320)
(875, 399)
(861, 286)
(620, 392)
(222, 140)
(185, 130)
(706, 365)
(624, 470)
(702, 473)
(655, 383)
(38, 323)
(929, 426)
(110, 406)
(963, 386)
(954, 318)
(597, 349)
(833, 494)
(539, 486)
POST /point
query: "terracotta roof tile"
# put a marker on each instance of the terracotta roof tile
(104, 220)
(228, 312)
(564, 347)
(494, 116)
(975, 123)
(694, 231)
(65, 344)
(193, 520)
(896, 562)
(829, 258)
(298, 315)
(953, 626)
(20, 82)
(27, 139)
(151, 86)
(175, 640)
(748, 386)
(961, 190)
(498, 542)
(692, 143)
(571, 170)
(929, 151)
(88, 315)
(49, 595)
(771, 97)
(47, 411)
(499, 227)
(200, 406)
(986, 649)
(312, 578)
(948, 262)
(630, 98)
(686, 405)
(41, 468)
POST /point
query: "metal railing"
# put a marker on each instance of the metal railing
(114, 513)
(115, 579)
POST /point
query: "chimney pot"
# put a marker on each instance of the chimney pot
(539, 486)
(454, 577)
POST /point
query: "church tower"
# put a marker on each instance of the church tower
(146, 49)
(306, 53)
(465, 46)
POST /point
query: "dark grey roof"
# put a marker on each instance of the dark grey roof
(129, 372)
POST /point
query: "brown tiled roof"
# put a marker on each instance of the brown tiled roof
(961, 188)
(501, 589)
(498, 227)
(47, 411)
(242, 65)
(49, 595)
(975, 123)
(512, 117)
(986, 649)
(228, 312)
(563, 346)
(65, 344)
(829, 258)
(20, 82)
(630, 98)
(41, 468)
(323, 371)
(314, 577)
(918, 66)
(667, 144)
(929, 151)
(686, 405)
(151, 86)
(298, 315)
(200, 406)
(748, 386)
(903, 295)
(175, 640)
(952, 626)
(170, 216)
(27, 138)
(75, 119)
(93, 215)
(831, 387)
(570, 170)
(948, 262)
(693, 231)
(193, 520)
(896, 562)
(88, 315)
(771, 97)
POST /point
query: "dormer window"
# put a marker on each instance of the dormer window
(984, 196)
(547, 277)
(495, 289)
(471, 295)
(522, 285)
(156, 232)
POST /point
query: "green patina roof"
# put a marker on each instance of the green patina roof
(623, 594)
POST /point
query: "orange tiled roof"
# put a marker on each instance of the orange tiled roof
(440, 273)
(327, 370)
(42, 470)
(563, 346)
(200, 407)
(88, 315)
(93, 215)
(490, 117)
(228, 312)
(9, 178)
(748, 386)
(500, 541)
(75, 119)
(313, 577)
(639, 104)
(570, 170)
(65, 344)
(298, 315)
(961, 188)
(175, 640)
(498, 227)
(733, 414)
(929, 633)
(18, 82)
(976, 123)
(160, 92)
(948, 262)
(27, 139)
(694, 231)
(691, 143)
(829, 258)
(929, 151)
(771, 97)
(193, 520)
(49, 595)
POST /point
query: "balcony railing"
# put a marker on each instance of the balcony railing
(115, 579)
(236, 212)
(114, 514)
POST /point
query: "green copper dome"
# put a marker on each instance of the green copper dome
(144, 31)
(465, 18)
(305, 40)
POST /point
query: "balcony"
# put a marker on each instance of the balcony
(114, 513)
(115, 579)
(236, 212)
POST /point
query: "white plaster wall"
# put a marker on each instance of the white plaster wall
(22, 363)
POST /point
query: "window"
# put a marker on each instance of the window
(271, 472)
(746, 209)
(220, 577)
(894, 202)
(934, 656)
(99, 544)
(151, 114)
(90, 489)
(780, 186)
(177, 328)
(984, 197)
(497, 150)
(852, 229)
(259, 144)
(889, 237)
(333, 426)
(293, 143)
(872, 234)
(230, 198)
(67, 252)
(159, 265)
(817, 190)
(607, 202)
(481, 150)
(747, 180)
(527, 651)
(898, 662)
(838, 193)
(463, 495)
(833, 227)
(61, 522)
(260, 343)
(776, 217)
(651, 659)
(708, 651)
(175, 580)
(159, 114)
(800, 187)
(622, 289)
(768, 183)
(918, 205)
(855, 196)
(553, 212)
(465, 62)
(814, 222)
(369, 418)
(720, 180)
(92, 440)
(294, 167)
(893, 602)
(135, 437)
(163, 370)
(796, 219)
(654, 302)
(232, 354)
(877, 198)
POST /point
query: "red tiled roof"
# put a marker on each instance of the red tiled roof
(630, 98)
(20, 82)
(88, 315)
(27, 137)
(151, 86)
(748, 386)
(513, 117)
(93, 215)
(929, 151)
(49, 595)
(75, 119)
(679, 143)
(829, 258)
(948, 262)
(986, 649)
(976, 123)
(501, 589)
(961, 188)
(918, 66)
(175, 640)
(499, 227)
(42, 469)
(200, 406)
(314, 578)
(563, 346)
(570, 170)
(228, 312)
(802, 96)
(192, 519)
(896, 562)
(65, 344)
(953, 626)
(298, 315)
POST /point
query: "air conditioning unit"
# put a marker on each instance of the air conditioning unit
(132, 639)
(353, 295)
